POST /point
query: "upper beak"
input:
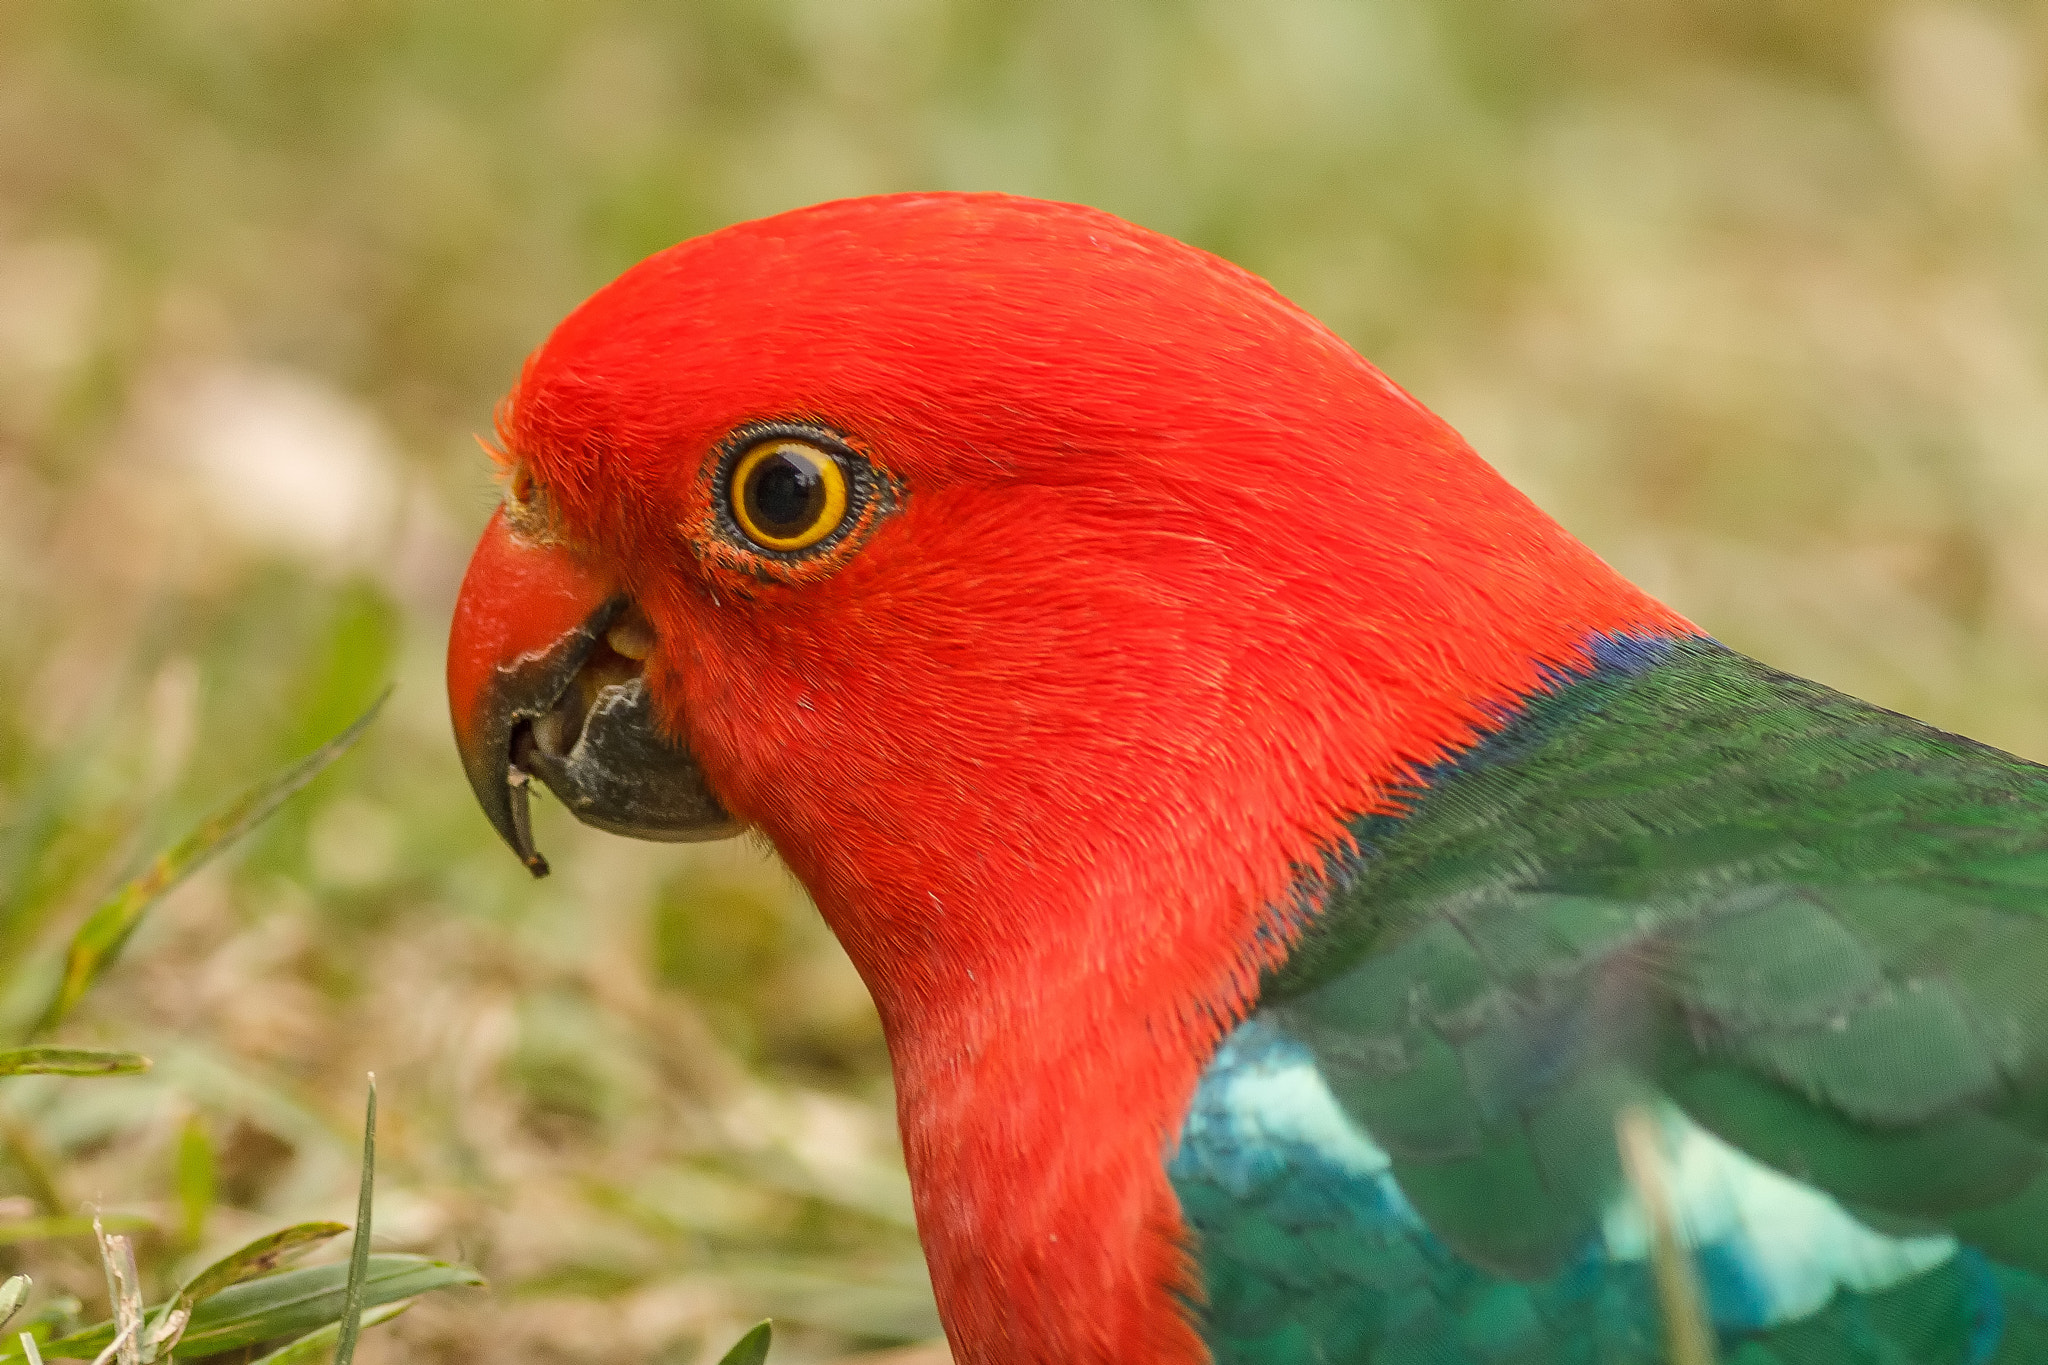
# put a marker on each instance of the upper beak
(545, 680)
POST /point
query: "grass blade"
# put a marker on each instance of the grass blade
(25, 1152)
(359, 1249)
(751, 1349)
(194, 1181)
(124, 1290)
(1686, 1333)
(98, 941)
(282, 1306)
(70, 1061)
(259, 1257)
(313, 1348)
(13, 1294)
(65, 1227)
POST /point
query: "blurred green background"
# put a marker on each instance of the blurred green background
(1753, 294)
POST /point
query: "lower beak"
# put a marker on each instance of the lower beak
(540, 687)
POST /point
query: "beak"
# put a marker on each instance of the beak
(538, 688)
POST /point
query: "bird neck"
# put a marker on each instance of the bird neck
(1051, 1003)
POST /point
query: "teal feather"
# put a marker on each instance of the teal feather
(1810, 933)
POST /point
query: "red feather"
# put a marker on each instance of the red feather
(1178, 582)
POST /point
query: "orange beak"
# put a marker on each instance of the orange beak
(537, 689)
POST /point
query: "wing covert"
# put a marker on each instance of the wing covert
(1810, 933)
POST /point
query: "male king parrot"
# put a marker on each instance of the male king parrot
(1279, 853)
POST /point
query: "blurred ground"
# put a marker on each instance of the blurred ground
(1751, 294)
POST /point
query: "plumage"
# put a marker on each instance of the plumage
(1278, 852)
(1802, 930)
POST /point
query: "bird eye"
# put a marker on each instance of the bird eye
(788, 494)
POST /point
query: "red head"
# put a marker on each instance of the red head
(1144, 583)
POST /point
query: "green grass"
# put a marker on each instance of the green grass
(243, 1299)
(1752, 296)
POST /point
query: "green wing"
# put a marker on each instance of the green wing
(1812, 928)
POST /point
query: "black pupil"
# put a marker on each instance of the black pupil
(785, 493)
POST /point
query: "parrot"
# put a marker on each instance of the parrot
(1318, 911)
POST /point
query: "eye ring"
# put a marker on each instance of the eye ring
(787, 494)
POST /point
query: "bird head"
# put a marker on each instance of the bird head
(956, 542)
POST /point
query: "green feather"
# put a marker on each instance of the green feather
(1818, 928)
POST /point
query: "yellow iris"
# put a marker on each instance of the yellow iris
(787, 494)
